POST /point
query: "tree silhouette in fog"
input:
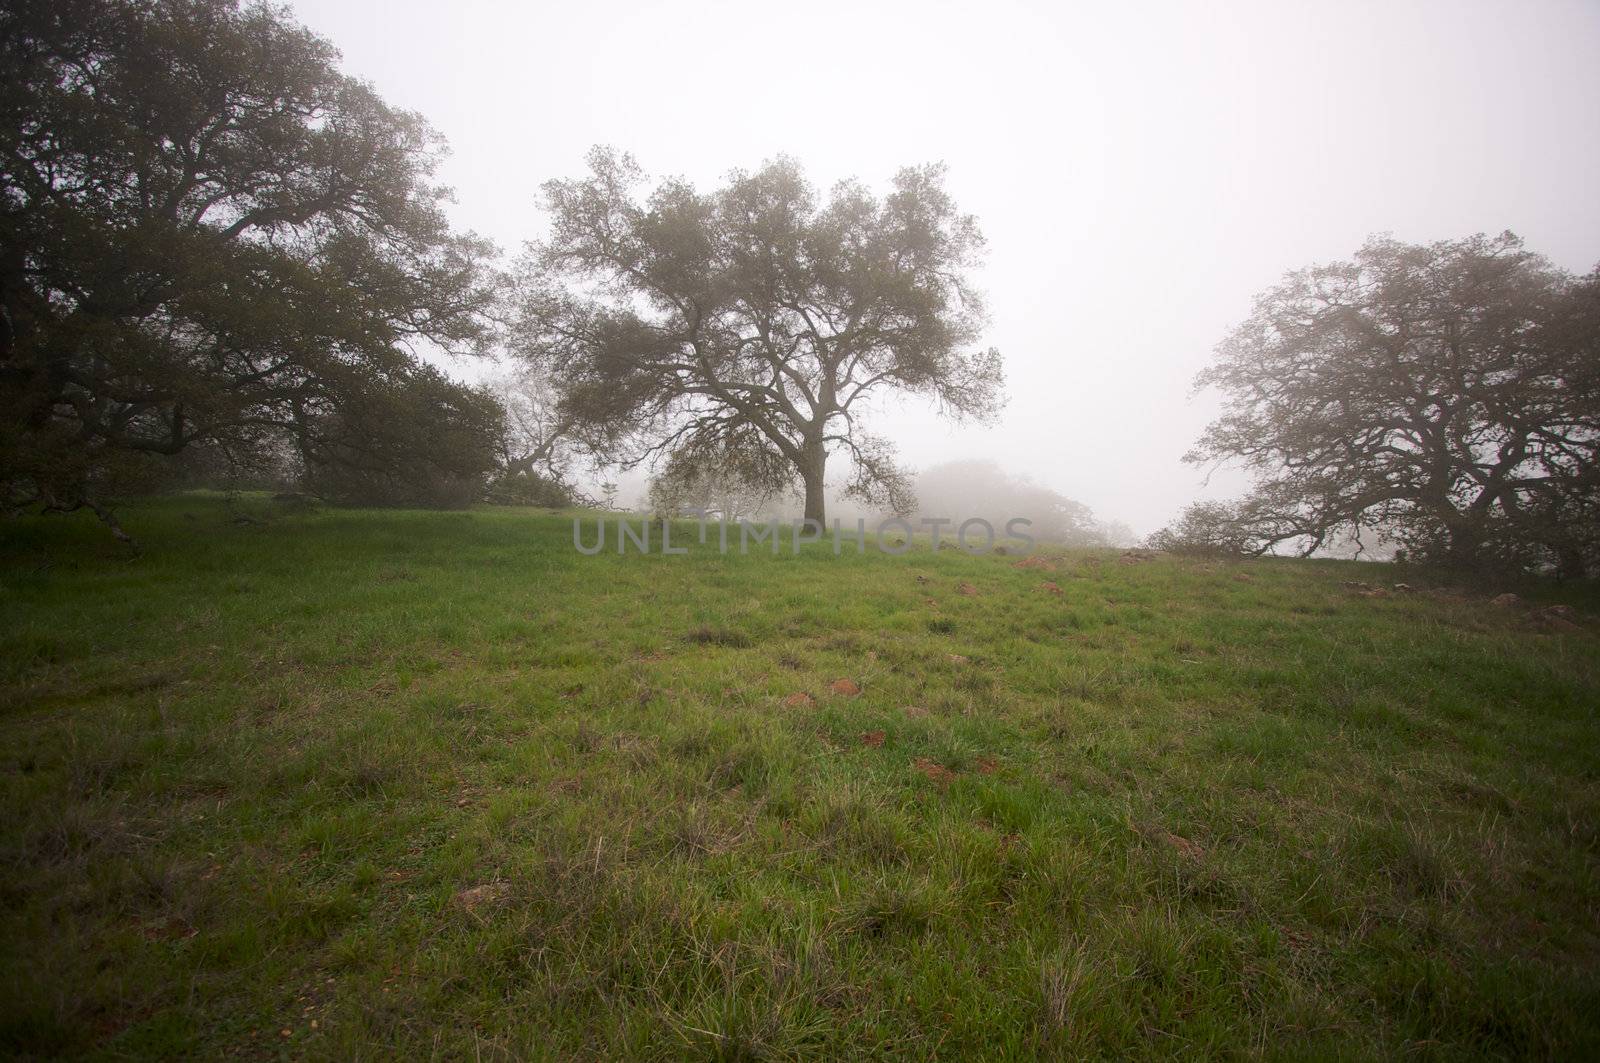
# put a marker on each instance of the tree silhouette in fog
(1446, 397)
(747, 328)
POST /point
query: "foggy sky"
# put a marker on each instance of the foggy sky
(1141, 170)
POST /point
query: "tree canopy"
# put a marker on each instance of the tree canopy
(209, 236)
(1445, 397)
(749, 327)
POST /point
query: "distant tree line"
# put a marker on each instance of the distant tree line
(224, 261)
(980, 488)
(1443, 400)
(951, 491)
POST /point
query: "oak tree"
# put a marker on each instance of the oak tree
(750, 327)
(1445, 397)
(211, 237)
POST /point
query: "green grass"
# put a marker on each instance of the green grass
(364, 785)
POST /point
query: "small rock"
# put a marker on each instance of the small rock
(844, 687)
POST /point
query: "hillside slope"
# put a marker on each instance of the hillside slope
(356, 783)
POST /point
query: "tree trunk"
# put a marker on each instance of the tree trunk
(1464, 545)
(811, 471)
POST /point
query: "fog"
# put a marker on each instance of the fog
(1140, 170)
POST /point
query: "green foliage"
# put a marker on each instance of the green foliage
(411, 784)
(427, 442)
(528, 489)
(210, 236)
(1208, 529)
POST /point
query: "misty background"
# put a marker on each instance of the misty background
(1140, 170)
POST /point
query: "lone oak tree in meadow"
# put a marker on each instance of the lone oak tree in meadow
(1445, 396)
(748, 327)
(211, 237)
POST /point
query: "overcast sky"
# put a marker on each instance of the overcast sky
(1140, 169)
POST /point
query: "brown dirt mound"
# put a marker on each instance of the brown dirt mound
(1555, 618)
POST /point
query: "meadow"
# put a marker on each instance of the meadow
(351, 784)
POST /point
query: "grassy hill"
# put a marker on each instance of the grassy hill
(358, 785)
